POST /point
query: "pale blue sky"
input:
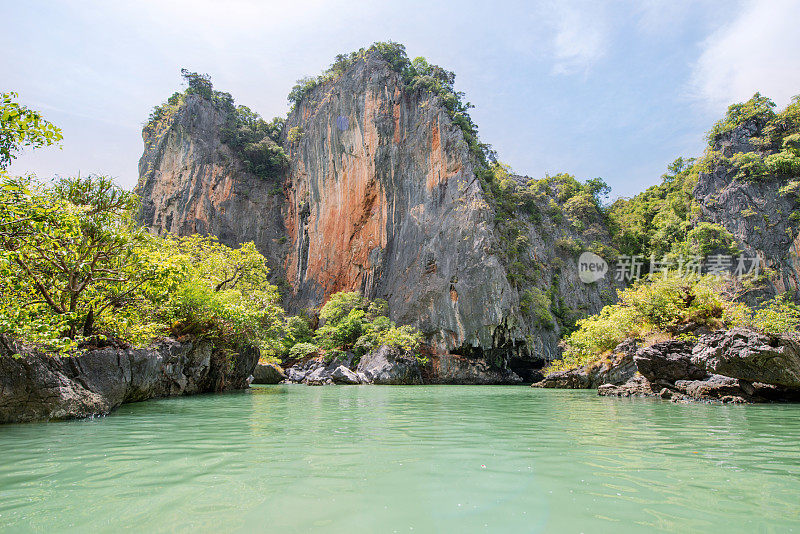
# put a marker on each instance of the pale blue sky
(613, 89)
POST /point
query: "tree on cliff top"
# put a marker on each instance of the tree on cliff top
(254, 139)
(199, 84)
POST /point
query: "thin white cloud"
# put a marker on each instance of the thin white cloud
(757, 51)
(581, 36)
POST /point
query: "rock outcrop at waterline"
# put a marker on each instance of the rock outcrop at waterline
(390, 366)
(736, 365)
(616, 369)
(37, 386)
(380, 196)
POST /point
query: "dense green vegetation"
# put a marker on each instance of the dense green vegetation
(665, 219)
(349, 322)
(75, 271)
(517, 203)
(254, 139)
(670, 306)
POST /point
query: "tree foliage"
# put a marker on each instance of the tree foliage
(352, 323)
(254, 139)
(21, 127)
(670, 306)
(75, 270)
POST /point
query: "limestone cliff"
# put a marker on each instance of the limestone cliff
(380, 196)
(192, 182)
(757, 210)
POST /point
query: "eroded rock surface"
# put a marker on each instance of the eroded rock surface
(616, 369)
(381, 197)
(389, 366)
(268, 373)
(38, 386)
(737, 365)
(755, 211)
(748, 355)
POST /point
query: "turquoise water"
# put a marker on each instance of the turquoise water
(406, 459)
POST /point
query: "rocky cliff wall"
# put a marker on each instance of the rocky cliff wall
(191, 182)
(754, 209)
(381, 197)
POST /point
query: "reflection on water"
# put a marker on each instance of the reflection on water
(385, 459)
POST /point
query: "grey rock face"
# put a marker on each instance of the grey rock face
(268, 373)
(616, 370)
(715, 387)
(668, 361)
(455, 369)
(636, 386)
(389, 366)
(754, 211)
(191, 182)
(752, 356)
(380, 197)
(343, 375)
(38, 386)
(737, 365)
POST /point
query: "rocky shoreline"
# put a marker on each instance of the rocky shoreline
(38, 386)
(729, 366)
(387, 366)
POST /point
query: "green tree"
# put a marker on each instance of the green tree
(21, 127)
(73, 244)
(352, 322)
(199, 84)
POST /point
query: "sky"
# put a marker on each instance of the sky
(614, 89)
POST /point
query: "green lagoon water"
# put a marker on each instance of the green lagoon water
(406, 459)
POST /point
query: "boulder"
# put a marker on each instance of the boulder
(318, 376)
(749, 355)
(616, 369)
(268, 373)
(668, 361)
(720, 387)
(343, 375)
(387, 365)
(577, 378)
(636, 386)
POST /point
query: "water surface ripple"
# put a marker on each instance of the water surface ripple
(406, 459)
